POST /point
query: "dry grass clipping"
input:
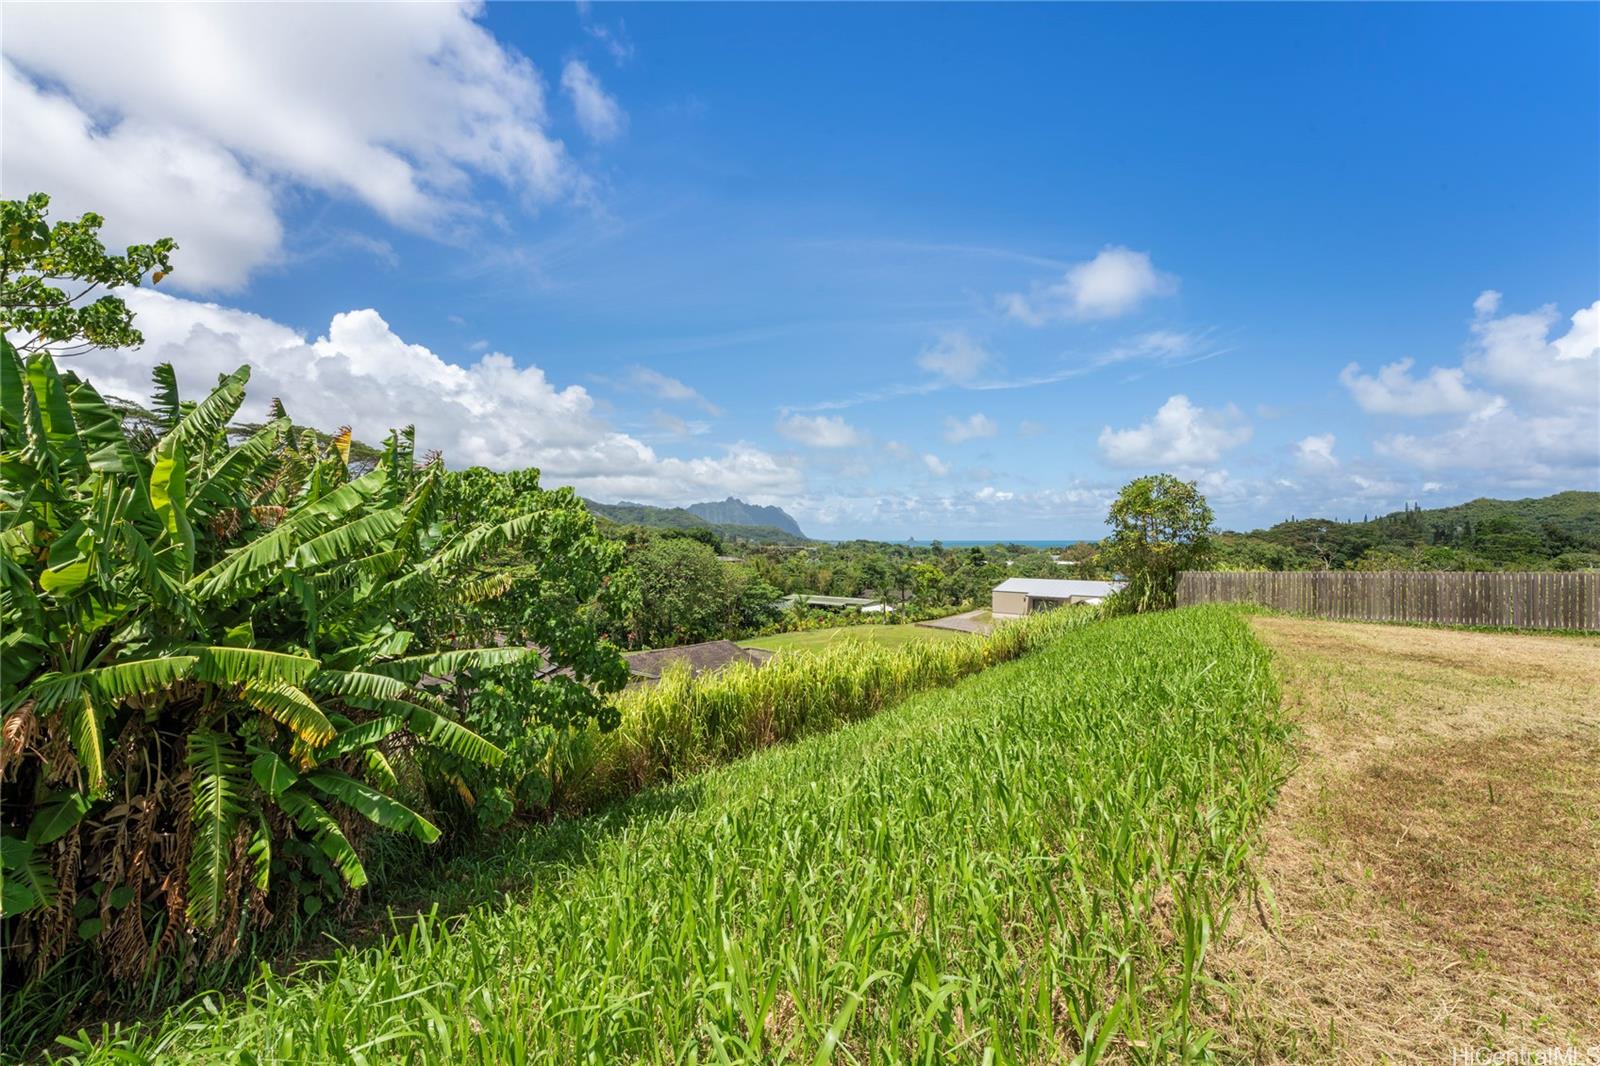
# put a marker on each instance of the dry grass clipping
(1432, 873)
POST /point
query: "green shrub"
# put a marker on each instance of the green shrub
(211, 694)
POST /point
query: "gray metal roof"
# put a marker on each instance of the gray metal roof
(827, 601)
(701, 658)
(1049, 588)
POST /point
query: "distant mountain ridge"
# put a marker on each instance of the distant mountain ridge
(735, 512)
(760, 524)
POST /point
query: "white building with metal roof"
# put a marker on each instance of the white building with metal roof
(1017, 596)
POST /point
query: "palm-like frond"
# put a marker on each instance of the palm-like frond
(164, 403)
(169, 498)
(380, 809)
(292, 707)
(83, 729)
(455, 738)
(441, 664)
(239, 665)
(229, 479)
(201, 426)
(309, 815)
(215, 789)
(356, 737)
(352, 538)
(243, 570)
(260, 854)
(27, 882)
(53, 415)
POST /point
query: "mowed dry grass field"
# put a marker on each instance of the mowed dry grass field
(1431, 877)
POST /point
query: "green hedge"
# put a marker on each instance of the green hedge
(682, 725)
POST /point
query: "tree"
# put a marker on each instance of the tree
(683, 594)
(1160, 526)
(34, 255)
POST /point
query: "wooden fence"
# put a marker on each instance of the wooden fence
(1526, 601)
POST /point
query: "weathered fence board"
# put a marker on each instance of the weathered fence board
(1523, 600)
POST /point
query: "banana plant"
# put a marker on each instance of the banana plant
(205, 669)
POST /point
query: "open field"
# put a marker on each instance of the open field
(1435, 859)
(1029, 862)
(893, 636)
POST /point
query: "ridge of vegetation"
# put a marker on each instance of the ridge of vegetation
(626, 513)
(1560, 531)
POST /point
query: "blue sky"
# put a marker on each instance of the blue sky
(905, 270)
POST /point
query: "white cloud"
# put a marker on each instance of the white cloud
(489, 412)
(1516, 352)
(957, 430)
(1316, 452)
(1111, 284)
(187, 121)
(821, 431)
(1029, 428)
(146, 179)
(938, 467)
(1181, 434)
(598, 113)
(1394, 391)
(956, 357)
(668, 388)
(1548, 434)
(1512, 449)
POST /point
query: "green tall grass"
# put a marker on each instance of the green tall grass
(1024, 867)
(684, 725)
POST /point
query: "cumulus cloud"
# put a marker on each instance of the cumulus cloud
(1512, 449)
(1316, 452)
(955, 357)
(1111, 284)
(360, 373)
(938, 467)
(185, 121)
(1181, 434)
(1395, 391)
(821, 431)
(599, 114)
(1516, 352)
(974, 427)
(1545, 431)
(163, 182)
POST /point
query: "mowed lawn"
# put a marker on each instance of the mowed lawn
(1432, 874)
(889, 635)
(1023, 867)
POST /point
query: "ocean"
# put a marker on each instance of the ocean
(1060, 543)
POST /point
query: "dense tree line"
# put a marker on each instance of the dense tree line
(1559, 532)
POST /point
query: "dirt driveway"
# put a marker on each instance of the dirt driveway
(1431, 878)
(979, 621)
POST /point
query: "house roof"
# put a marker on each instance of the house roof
(701, 658)
(827, 601)
(1048, 588)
